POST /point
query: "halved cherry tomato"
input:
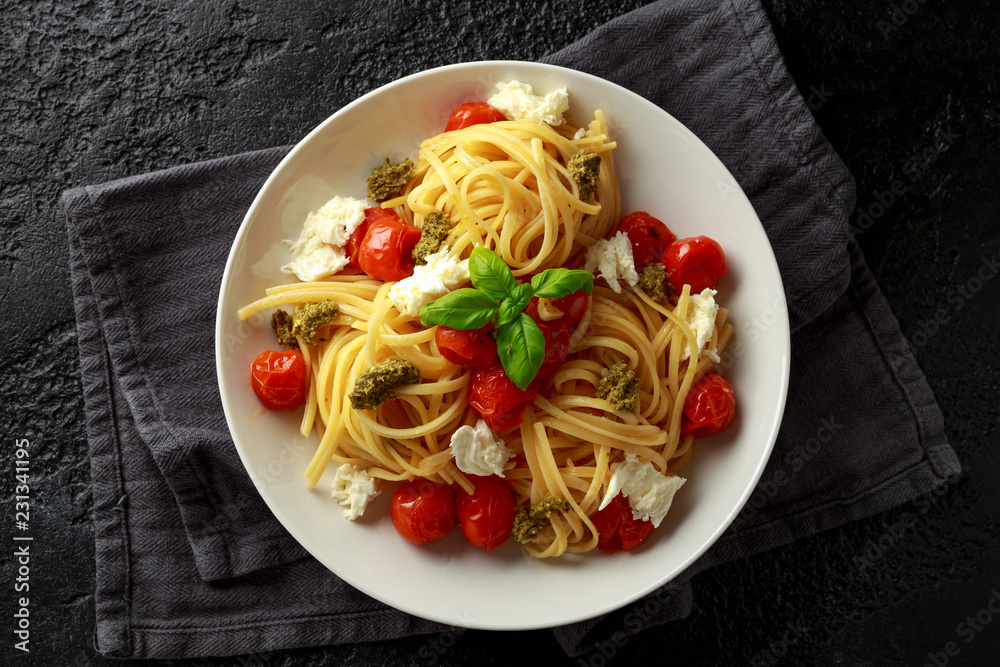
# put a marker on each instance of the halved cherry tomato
(616, 529)
(473, 348)
(278, 377)
(709, 407)
(487, 515)
(472, 113)
(697, 261)
(353, 246)
(497, 398)
(386, 252)
(423, 511)
(649, 237)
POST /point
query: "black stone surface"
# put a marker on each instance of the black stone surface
(906, 91)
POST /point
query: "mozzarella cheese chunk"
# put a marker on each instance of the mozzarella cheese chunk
(649, 492)
(354, 489)
(478, 451)
(442, 273)
(701, 319)
(319, 250)
(518, 101)
(612, 260)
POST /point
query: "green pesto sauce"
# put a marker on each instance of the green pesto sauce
(584, 168)
(281, 323)
(434, 234)
(310, 317)
(528, 523)
(653, 281)
(378, 384)
(387, 179)
(620, 387)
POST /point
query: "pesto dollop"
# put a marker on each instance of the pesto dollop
(387, 180)
(620, 387)
(653, 281)
(584, 168)
(434, 234)
(529, 522)
(310, 317)
(281, 323)
(378, 384)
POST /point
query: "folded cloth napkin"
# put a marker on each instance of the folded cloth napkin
(189, 560)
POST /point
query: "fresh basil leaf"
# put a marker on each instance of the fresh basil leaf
(462, 309)
(521, 345)
(512, 306)
(556, 283)
(490, 274)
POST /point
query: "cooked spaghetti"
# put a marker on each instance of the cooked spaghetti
(505, 186)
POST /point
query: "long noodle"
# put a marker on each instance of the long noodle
(505, 186)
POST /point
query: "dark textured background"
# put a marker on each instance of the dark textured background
(94, 90)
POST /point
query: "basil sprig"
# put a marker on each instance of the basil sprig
(498, 297)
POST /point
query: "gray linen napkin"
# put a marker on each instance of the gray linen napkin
(189, 560)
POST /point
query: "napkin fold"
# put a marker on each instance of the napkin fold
(190, 561)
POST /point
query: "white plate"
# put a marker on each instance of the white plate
(664, 169)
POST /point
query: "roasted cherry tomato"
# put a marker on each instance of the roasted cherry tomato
(474, 348)
(386, 251)
(497, 398)
(649, 237)
(279, 378)
(616, 529)
(556, 344)
(423, 511)
(557, 332)
(573, 306)
(353, 246)
(486, 516)
(709, 406)
(472, 113)
(697, 261)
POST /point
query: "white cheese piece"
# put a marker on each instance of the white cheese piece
(518, 101)
(442, 273)
(319, 250)
(354, 489)
(701, 319)
(478, 451)
(649, 492)
(612, 260)
(547, 310)
(580, 134)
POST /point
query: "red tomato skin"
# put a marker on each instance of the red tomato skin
(487, 515)
(386, 252)
(556, 345)
(474, 348)
(423, 511)
(472, 113)
(557, 332)
(616, 529)
(697, 261)
(648, 235)
(278, 377)
(353, 246)
(709, 407)
(496, 397)
(574, 307)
